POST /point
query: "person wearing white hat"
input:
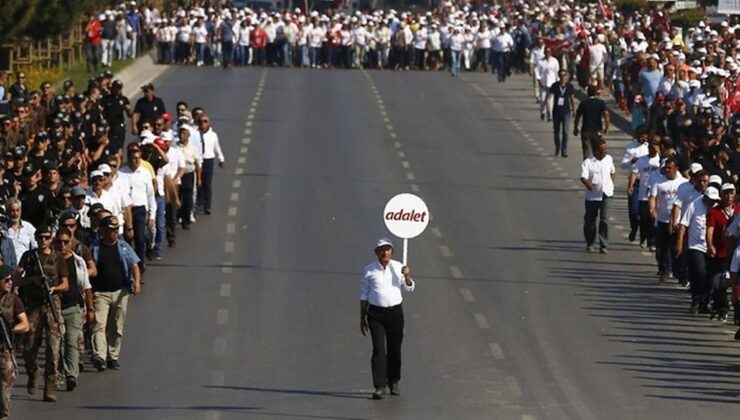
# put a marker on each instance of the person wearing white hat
(381, 314)
(692, 227)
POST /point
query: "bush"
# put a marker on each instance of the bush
(687, 18)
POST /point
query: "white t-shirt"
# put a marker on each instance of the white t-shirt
(599, 172)
(200, 33)
(694, 217)
(547, 71)
(665, 191)
(644, 168)
(456, 42)
(634, 150)
(597, 56)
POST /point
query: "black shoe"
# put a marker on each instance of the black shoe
(71, 383)
(98, 363)
(185, 227)
(564, 154)
(378, 393)
(737, 335)
(557, 153)
(394, 389)
(542, 117)
(207, 211)
(633, 235)
(114, 365)
(703, 309)
(694, 308)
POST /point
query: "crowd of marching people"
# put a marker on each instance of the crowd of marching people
(82, 213)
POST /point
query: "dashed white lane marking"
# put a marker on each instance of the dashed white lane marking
(222, 316)
(239, 171)
(445, 250)
(251, 110)
(232, 211)
(528, 417)
(496, 351)
(415, 188)
(386, 120)
(242, 160)
(227, 269)
(225, 290)
(243, 150)
(246, 140)
(647, 254)
(410, 176)
(219, 346)
(234, 196)
(514, 388)
(612, 219)
(401, 154)
(482, 321)
(564, 174)
(389, 127)
(549, 158)
(455, 271)
(619, 227)
(436, 232)
(247, 131)
(229, 247)
(249, 123)
(405, 164)
(397, 144)
(217, 378)
(392, 134)
(250, 117)
(467, 295)
(237, 183)
(231, 228)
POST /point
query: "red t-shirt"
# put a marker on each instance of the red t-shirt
(718, 218)
(258, 38)
(94, 32)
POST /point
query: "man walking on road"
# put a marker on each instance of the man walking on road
(597, 174)
(560, 95)
(14, 314)
(211, 151)
(592, 110)
(382, 314)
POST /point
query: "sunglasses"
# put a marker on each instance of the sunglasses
(70, 225)
(44, 237)
(67, 197)
(7, 279)
(63, 241)
(204, 122)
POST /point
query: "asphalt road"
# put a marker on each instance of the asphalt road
(255, 313)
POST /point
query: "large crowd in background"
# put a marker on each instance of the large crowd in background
(70, 186)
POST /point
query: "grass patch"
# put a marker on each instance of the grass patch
(77, 73)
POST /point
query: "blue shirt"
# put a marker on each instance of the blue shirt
(649, 81)
(128, 258)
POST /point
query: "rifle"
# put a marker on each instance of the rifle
(46, 284)
(6, 331)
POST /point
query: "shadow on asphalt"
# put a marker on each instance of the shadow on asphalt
(307, 392)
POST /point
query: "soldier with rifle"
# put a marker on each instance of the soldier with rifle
(41, 276)
(13, 321)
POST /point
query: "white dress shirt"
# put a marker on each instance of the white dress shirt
(694, 218)
(382, 286)
(22, 237)
(211, 146)
(141, 187)
(546, 71)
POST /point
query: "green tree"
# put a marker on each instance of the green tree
(56, 17)
(15, 16)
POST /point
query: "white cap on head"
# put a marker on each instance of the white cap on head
(104, 168)
(727, 186)
(695, 167)
(711, 193)
(383, 242)
(95, 174)
(715, 179)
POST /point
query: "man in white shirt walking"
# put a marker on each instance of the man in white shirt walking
(546, 74)
(211, 152)
(597, 174)
(381, 313)
(661, 197)
(143, 201)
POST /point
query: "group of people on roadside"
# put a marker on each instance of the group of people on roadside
(82, 213)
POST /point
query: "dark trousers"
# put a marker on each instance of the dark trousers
(596, 209)
(386, 330)
(227, 52)
(170, 220)
(560, 128)
(664, 243)
(647, 229)
(633, 207)
(502, 64)
(187, 185)
(139, 216)
(697, 261)
(717, 287)
(588, 139)
(205, 192)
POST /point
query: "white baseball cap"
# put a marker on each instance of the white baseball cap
(711, 193)
(383, 242)
(715, 179)
(695, 167)
(727, 186)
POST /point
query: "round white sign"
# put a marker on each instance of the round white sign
(406, 216)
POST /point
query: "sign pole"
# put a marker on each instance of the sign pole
(405, 250)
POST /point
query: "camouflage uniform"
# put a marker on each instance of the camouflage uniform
(7, 358)
(41, 321)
